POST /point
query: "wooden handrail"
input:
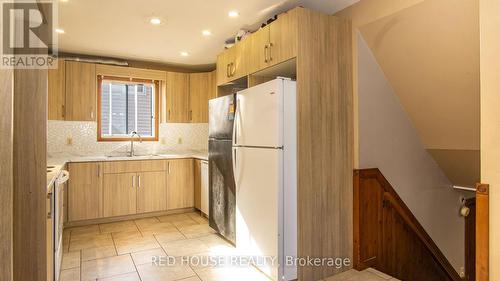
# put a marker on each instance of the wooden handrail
(482, 232)
(412, 222)
(365, 204)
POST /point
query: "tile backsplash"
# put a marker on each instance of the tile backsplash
(83, 136)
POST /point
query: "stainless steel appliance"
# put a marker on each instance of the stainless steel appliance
(222, 192)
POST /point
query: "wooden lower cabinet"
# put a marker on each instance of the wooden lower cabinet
(119, 194)
(197, 184)
(121, 188)
(84, 189)
(151, 192)
(180, 184)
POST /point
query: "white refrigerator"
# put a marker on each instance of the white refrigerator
(265, 169)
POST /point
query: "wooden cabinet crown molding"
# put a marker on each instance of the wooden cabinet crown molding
(130, 72)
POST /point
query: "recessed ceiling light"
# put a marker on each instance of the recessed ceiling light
(233, 14)
(60, 31)
(184, 54)
(155, 21)
(206, 32)
(63, 0)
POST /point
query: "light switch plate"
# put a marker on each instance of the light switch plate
(69, 141)
(179, 141)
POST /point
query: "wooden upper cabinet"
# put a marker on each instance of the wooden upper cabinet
(180, 184)
(84, 189)
(177, 97)
(200, 91)
(232, 63)
(57, 92)
(259, 49)
(283, 37)
(152, 192)
(81, 88)
(120, 194)
(270, 45)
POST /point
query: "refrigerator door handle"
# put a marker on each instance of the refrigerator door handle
(234, 167)
(235, 121)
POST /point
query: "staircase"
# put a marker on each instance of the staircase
(388, 237)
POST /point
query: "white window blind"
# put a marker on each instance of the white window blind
(127, 107)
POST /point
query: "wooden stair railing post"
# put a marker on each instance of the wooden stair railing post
(482, 232)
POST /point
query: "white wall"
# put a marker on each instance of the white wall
(83, 134)
(389, 141)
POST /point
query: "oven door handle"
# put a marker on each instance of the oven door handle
(63, 177)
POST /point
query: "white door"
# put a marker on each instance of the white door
(258, 176)
(204, 187)
(259, 115)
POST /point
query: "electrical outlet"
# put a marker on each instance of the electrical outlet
(163, 141)
(179, 141)
(69, 141)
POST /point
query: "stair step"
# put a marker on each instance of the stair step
(368, 274)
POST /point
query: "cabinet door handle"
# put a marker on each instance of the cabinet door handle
(63, 108)
(98, 171)
(169, 167)
(139, 181)
(168, 117)
(133, 181)
(270, 52)
(233, 69)
(227, 70)
(190, 115)
(49, 196)
(266, 48)
(91, 114)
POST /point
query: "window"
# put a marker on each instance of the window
(127, 106)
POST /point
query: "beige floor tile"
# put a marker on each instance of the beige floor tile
(230, 274)
(378, 273)
(196, 216)
(182, 223)
(146, 221)
(107, 267)
(168, 237)
(148, 256)
(133, 276)
(171, 218)
(185, 247)
(97, 236)
(87, 229)
(194, 278)
(354, 275)
(120, 226)
(198, 230)
(91, 242)
(158, 228)
(70, 260)
(98, 253)
(127, 234)
(218, 246)
(70, 275)
(150, 272)
(131, 245)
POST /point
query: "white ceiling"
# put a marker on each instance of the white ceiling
(121, 28)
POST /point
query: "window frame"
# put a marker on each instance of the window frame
(100, 79)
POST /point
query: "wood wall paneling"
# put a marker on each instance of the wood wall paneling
(389, 238)
(29, 174)
(482, 232)
(57, 91)
(470, 241)
(6, 173)
(325, 144)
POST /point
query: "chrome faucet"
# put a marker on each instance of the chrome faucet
(134, 133)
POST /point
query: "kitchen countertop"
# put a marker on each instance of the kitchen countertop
(59, 160)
